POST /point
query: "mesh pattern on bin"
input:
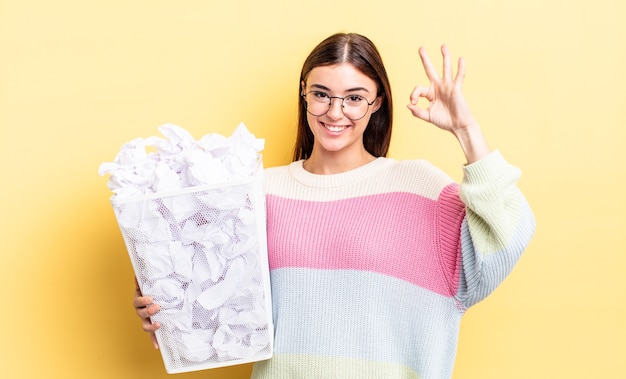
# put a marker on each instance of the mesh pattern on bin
(199, 255)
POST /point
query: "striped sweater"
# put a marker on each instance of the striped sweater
(372, 269)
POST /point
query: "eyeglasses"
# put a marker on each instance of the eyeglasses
(354, 107)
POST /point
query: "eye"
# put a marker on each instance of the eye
(320, 96)
(354, 99)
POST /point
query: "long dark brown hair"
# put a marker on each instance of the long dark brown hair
(359, 51)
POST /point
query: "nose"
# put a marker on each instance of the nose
(336, 108)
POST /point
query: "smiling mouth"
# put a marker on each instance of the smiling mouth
(335, 128)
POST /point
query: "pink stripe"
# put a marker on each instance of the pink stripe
(394, 234)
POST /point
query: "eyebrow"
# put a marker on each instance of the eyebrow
(319, 86)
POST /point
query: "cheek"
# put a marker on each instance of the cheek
(364, 122)
(311, 121)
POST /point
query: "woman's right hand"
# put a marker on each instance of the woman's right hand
(145, 308)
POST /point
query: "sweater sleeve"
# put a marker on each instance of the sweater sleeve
(497, 227)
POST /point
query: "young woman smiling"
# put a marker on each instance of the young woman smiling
(374, 261)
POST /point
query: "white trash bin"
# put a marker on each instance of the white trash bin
(201, 253)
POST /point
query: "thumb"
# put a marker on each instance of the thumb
(423, 114)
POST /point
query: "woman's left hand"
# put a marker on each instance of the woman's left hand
(447, 107)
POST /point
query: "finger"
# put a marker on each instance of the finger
(141, 301)
(155, 343)
(447, 70)
(147, 311)
(460, 74)
(421, 113)
(149, 326)
(428, 66)
(420, 91)
(145, 306)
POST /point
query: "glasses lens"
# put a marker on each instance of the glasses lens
(355, 107)
(317, 103)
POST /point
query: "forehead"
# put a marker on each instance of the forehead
(339, 78)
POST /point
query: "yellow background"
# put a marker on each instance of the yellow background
(546, 79)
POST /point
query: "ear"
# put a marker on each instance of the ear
(302, 88)
(377, 104)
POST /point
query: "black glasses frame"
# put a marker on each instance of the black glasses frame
(330, 104)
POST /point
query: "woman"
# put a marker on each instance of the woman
(374, 261)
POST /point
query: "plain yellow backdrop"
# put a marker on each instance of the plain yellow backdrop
(546, 79)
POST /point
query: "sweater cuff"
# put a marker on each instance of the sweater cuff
(488, 169)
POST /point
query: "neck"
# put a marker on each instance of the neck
(336, 162)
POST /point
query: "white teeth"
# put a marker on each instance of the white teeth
(333, 128)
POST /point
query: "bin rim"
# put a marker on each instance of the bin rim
(116, 200)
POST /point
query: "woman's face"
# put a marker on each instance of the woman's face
(334, 131)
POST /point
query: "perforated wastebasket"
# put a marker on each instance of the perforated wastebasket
(201, 253)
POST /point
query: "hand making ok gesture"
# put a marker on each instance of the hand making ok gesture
(447, 107)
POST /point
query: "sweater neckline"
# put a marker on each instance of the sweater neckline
(297, 171)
